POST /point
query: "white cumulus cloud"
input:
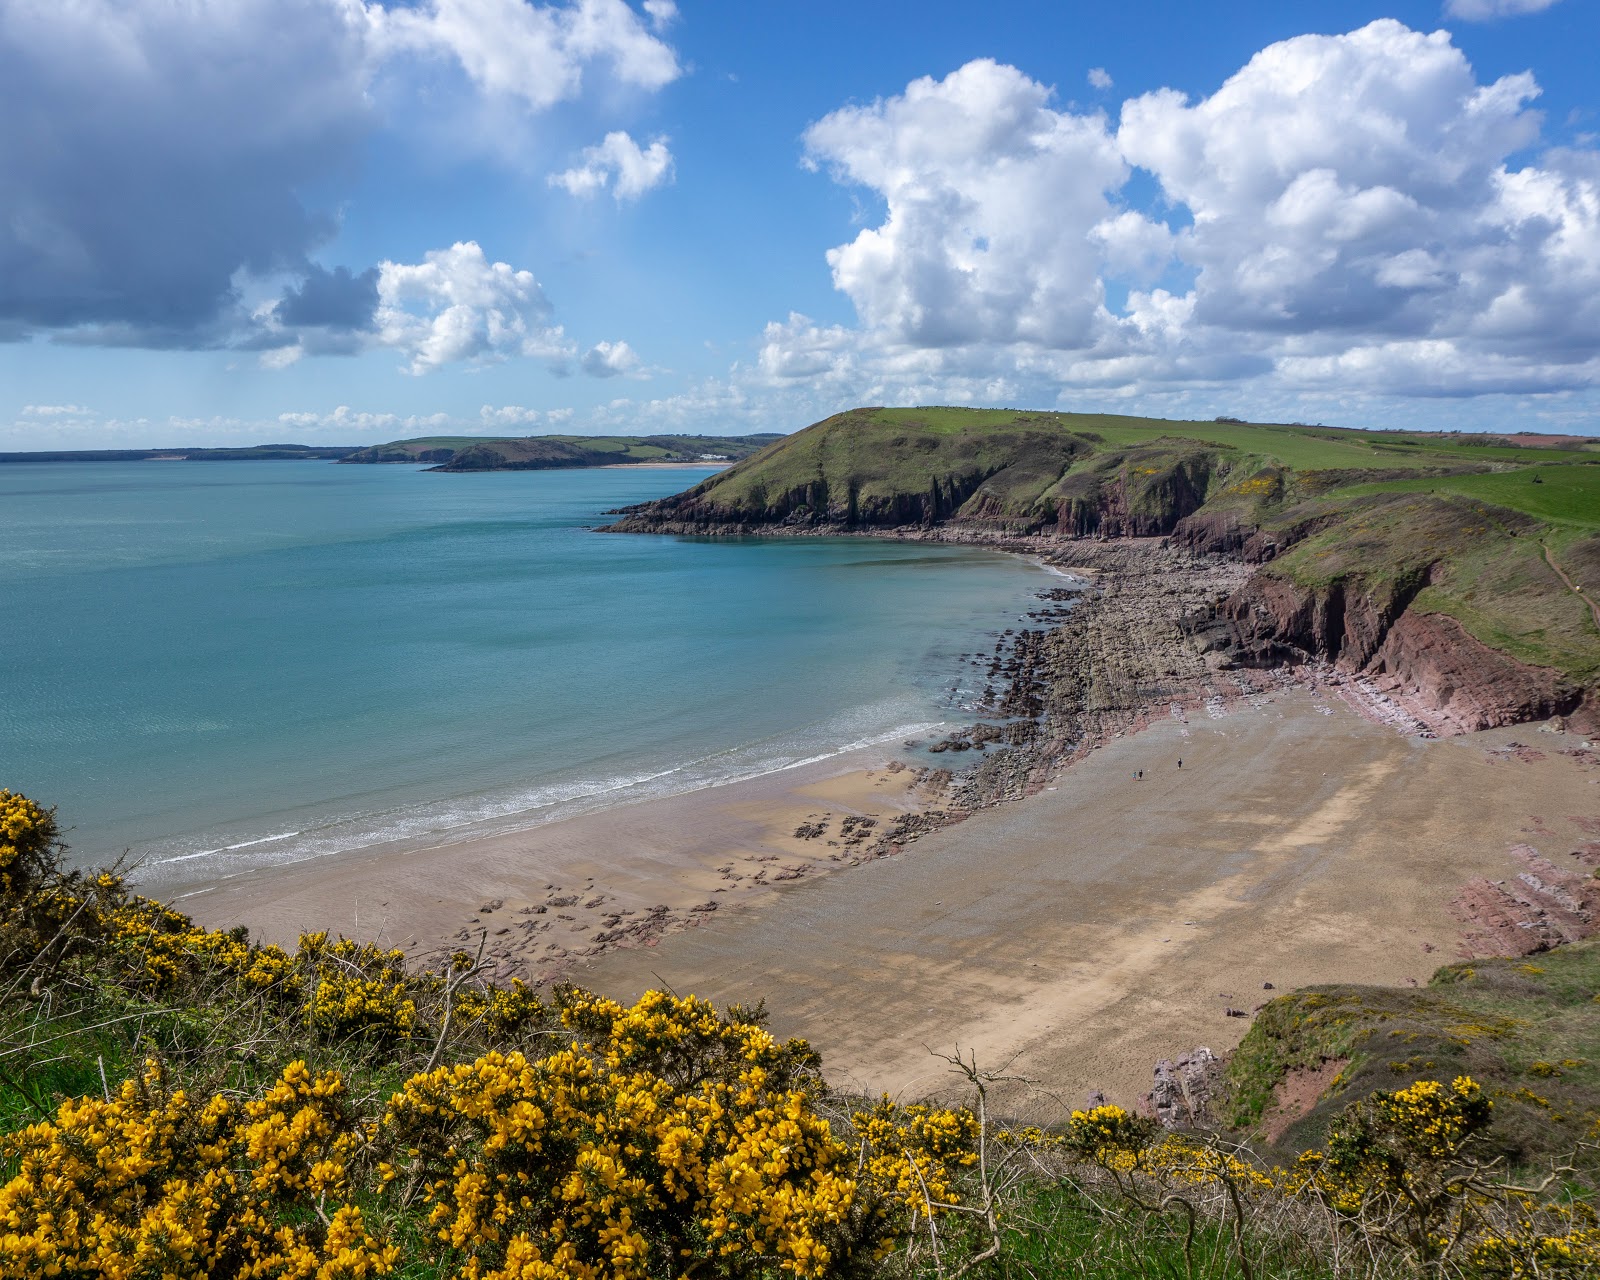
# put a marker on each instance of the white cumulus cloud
(661, 12)
(1354, 210)
(535, 52)
(508, 415)
(989, 194)
(1099, 78)
(608, 359)
(457, 307)
(621, 164)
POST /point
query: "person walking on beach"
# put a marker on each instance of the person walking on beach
(1180, 762)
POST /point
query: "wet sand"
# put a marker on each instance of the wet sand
(543, 897)
(1090, 930)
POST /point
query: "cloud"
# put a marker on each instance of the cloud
(140, 181)
(1343, 211)
(157, 156)
(334, 299)
(608, 359)
(1099, 78)
(508, 415)
(457, 307)
(989, 194)
(620, 163)
(535, 52)
(1487, 10)
(54, 410)
(662, 12)
(358, 423)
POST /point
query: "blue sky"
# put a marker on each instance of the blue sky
(231, 221)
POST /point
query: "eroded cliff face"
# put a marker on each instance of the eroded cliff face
(1368, 558)
(1429, 661)
(1134, 500)
(1142, 494)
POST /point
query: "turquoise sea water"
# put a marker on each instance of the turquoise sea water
(217, 665)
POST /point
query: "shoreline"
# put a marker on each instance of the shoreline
(582, 885)
(724, 891)
(722, 844)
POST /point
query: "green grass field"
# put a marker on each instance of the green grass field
(1556, 493)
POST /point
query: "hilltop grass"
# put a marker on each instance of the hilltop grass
(1528, 1030)
(1557, 494)
(1293, 445)
(1021, 466)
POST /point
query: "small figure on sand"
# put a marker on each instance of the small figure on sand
(1180, 762)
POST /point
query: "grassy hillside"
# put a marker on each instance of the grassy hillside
(536, 453)
(1474, 529)
(1528, 1027)
(874, 466)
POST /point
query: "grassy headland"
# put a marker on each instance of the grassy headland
(1454, 564)
(539, 453)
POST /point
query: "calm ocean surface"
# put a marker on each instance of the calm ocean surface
(218, 665)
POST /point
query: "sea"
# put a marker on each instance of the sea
(211, 666)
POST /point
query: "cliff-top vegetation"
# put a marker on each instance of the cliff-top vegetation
(1487, 545)
(182, 1102)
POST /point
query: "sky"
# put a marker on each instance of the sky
(347, 221)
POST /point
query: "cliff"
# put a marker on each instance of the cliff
(1444, 570)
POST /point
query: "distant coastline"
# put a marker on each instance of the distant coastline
(250, 453)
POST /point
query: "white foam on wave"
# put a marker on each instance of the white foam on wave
(228, 848)
(465, 818)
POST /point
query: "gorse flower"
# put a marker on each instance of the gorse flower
(149, 1184)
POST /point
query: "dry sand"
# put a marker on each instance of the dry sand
(1093, 929)
(1088, 930)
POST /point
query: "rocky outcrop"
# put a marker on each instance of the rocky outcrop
(1471, 686)
(1182, 1094)
(1143, 495)
(1429, 662)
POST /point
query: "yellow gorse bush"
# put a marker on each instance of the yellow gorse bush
(662, 1132)
(27, 837)
(152, 1184)
(914, 1153)
(359, 991)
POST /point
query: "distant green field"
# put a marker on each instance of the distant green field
(1305, 448)
(1563, 494)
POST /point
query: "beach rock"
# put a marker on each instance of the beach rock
(1183, 1091)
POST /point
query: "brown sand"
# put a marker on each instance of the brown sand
(555, 890)
(1089, 929)
(1096, 928)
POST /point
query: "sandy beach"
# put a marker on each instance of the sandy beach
(546, 896)
(1087, 931)
(1084, 932)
